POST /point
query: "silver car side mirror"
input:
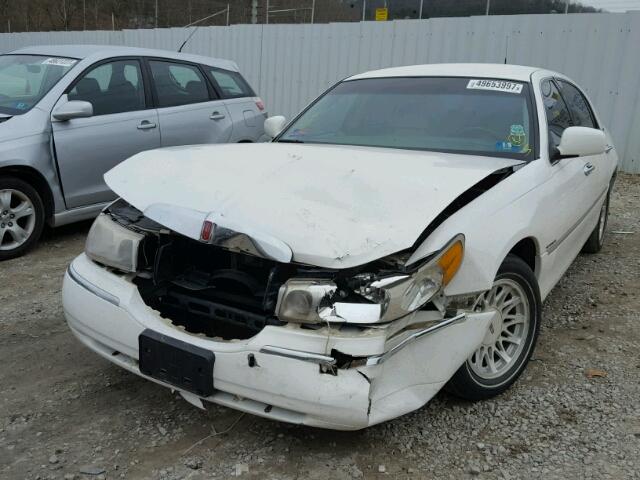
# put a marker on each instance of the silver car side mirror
(274, 125)
(73, 109)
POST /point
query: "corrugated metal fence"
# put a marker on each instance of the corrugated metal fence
(291, 64)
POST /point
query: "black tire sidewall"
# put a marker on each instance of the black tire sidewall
(515, 269)
(24, 187)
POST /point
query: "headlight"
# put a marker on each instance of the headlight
(302, 300)
(112, 244)
(394, 294)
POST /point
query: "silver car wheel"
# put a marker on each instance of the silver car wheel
(17, 219)
(506, 337)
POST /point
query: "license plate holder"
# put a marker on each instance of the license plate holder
(175, 362)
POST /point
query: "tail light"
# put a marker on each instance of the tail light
(259, 103)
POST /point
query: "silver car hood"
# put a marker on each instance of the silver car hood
(333, 206)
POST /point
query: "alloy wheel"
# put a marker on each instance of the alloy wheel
(506, 337)
(17, 219)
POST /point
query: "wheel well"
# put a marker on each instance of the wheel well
(527, 251)
(245, 141)
(37, 181)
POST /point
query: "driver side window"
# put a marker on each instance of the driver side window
(558, 116)
(113, 87)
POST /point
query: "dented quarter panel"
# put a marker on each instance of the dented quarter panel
(353, 212)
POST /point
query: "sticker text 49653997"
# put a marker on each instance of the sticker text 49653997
(495, 85)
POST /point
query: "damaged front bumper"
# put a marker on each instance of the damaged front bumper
(288, 373)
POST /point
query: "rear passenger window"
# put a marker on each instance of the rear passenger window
(113, 87)
(231, 84)
(578, 105)
(558, 117)
(178, 84)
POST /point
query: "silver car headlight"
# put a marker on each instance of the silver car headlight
(370, 297)
(112, 244)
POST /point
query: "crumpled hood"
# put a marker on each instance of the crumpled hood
(334, 206)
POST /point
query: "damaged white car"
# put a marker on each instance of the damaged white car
(397, 237)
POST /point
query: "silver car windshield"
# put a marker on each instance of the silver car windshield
(25, 79)
(446, 114)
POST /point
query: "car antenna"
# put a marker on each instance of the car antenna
(197, 22)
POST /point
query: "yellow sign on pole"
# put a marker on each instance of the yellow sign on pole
(382, 14)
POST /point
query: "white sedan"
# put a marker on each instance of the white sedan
(398, 236)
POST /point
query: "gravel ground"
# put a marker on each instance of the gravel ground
(65, 413)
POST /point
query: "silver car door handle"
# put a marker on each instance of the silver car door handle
(216, 116)
(588, 168)
(608, 148)
(146, 125)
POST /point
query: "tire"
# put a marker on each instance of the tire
(596, 239)
(475, 379)
(21, 217)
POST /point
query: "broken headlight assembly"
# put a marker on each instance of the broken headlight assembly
(113, 245)
(370, 297)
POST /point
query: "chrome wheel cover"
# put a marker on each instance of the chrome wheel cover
(506, 337)
(17, 219)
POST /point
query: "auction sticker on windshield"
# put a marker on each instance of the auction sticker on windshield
(495, 85)
(62, 62)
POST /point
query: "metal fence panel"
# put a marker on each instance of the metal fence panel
(289, 65)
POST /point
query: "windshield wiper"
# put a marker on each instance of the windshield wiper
(291, 140)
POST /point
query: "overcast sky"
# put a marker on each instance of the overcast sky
(613, 5)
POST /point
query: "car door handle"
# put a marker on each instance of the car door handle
(146, 125)
(608, 148)
(588, 168)
(216, 116)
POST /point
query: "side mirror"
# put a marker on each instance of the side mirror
(72, 109)
(581, 142)
(274, 125)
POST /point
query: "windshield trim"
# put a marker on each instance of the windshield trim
(531, 105)
(3, 110)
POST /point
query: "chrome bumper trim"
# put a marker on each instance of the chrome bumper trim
(373, 360)
(378, 359)
(76, 277)
(299, 355)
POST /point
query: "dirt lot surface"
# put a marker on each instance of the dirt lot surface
(65, 413)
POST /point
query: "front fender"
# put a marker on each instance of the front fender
(492, 225)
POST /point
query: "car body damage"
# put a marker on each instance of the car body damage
(339, 285)
(352, 212)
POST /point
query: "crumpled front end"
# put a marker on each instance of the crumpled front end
(339, 349)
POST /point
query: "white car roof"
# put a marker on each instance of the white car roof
(481, 70)
(99, 52)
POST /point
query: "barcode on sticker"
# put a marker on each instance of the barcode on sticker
(495, 85)
(61, 62)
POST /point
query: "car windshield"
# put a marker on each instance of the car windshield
(457, 115)
(25, 79)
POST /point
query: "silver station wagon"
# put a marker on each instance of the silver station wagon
(68, 114)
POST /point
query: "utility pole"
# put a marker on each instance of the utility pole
(488, 7)
(228, 7)
(566, 6)
(84, 14)
(254, 11)
(156, 13)
(267, 18)
(113, 21)
(64, 13)
(313, 9)
(420, 13)
(364, 9)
